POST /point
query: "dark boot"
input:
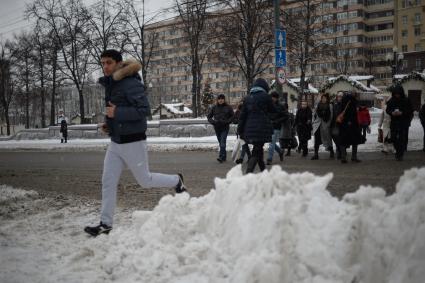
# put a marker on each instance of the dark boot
(269, 162)
(288, 153)
(343, 154)
(251, 164)
(331, 153)
(354, 155)
(316, 155)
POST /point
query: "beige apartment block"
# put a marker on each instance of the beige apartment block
(411, 28)
(362, 41)
(170, 78)
(362, 36)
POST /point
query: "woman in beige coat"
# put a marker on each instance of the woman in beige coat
(384, 124)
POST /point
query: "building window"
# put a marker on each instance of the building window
(418, 64)
(404, 64)
(418, 47)
(404, 48)
(404, 20)
(417, 31)
(404, 33)
(417, 18)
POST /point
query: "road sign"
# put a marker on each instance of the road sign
(280, 39)
(280, 58)
(281, 75)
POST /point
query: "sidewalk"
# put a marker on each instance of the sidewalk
(190, 144)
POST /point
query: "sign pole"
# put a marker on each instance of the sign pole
(276, 4)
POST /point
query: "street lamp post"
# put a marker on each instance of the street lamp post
(395, 60)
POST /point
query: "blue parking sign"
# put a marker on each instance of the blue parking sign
(280, 57)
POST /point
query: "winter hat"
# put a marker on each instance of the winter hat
(397, 89)
(260, 82)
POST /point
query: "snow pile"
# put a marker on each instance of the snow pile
(268, 227)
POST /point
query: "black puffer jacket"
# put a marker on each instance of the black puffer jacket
(303, 120)
(279, 116)
(402, 104)
(255, 125)
(220, 116)
(349, 130)
(422, 115)
(125, 90)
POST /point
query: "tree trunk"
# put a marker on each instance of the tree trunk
(27, 95)
(6, 117)
(53, 97)
(81, 97)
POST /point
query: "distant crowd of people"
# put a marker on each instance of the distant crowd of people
(344, 122)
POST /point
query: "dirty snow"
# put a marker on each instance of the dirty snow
(268, 227)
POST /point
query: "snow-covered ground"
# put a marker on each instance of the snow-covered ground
(268, 227)
(196, 143)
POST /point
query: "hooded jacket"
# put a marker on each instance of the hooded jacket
(125, 90)
(255, 125)
(402, 104)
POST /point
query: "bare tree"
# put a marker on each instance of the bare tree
(69, 21)
(40, 56)
(21, 54)
(306, 35)
(6, 86)
(247, 36)
(107, 23)
(142, 42)
(193, 15)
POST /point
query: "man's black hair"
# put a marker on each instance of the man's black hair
(112, 53)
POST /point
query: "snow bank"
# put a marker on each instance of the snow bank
(268, 227)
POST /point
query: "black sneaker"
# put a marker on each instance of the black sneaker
(220, 160)
(97, 230)
(180, 186)
(269, 162)
(239, 161)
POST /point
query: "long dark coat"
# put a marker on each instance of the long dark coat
(349, 130)
(303, 123)
(255, 125)
(403, 104)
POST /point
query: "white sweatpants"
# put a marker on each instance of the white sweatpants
(135, 156)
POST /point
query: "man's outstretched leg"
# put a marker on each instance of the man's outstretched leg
(136, 157)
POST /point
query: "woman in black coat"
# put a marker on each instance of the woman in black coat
(255, 126)
(64, 131)
(303, 120)
(349, 129)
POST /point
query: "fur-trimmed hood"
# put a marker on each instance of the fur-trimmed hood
(126, 68)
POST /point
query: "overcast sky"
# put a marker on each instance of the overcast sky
(12, 19)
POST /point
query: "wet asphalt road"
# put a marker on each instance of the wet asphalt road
(79, 173)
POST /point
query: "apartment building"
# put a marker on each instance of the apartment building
(170, 78)
(410, 35)
(363, 36)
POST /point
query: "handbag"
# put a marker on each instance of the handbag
(340, 117)
(236, 152)
(294, 143)
(380, 136)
